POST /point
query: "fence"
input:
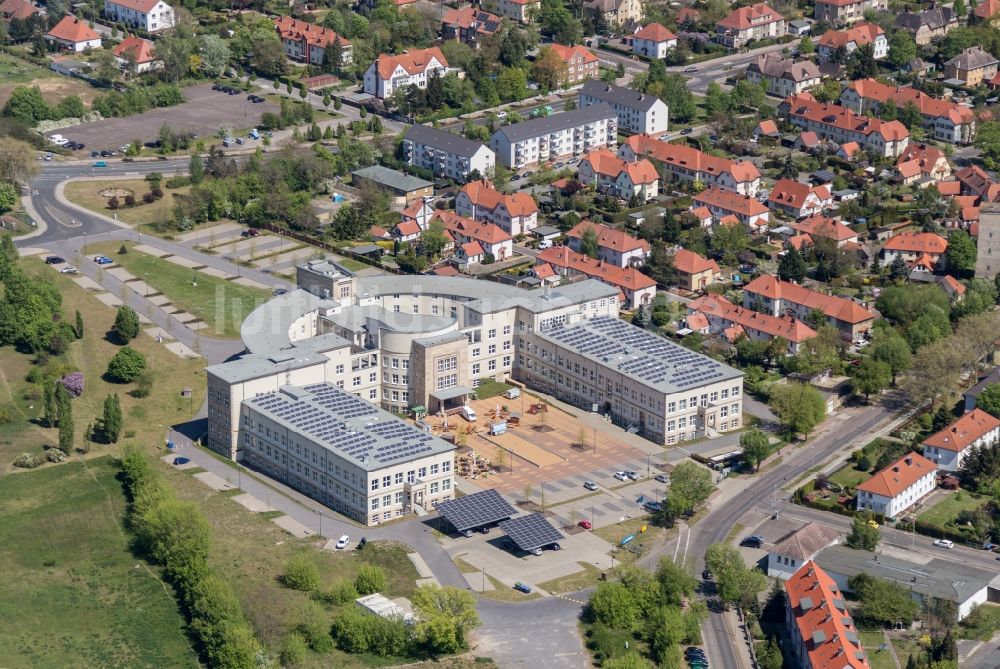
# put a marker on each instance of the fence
(313, 241)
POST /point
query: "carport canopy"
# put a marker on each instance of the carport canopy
(450, 393)
(531, 531)
(476, 510)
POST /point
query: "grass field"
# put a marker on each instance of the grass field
(878, 659)
(73, 593)
(146, 418)
(17, 72)
(85, 194)
(220, 303)
(848, 477)
(582, 579)
(948, 508)
(981, 624)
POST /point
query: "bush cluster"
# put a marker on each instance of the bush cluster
(137, 100)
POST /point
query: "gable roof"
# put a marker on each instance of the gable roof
(484, 22)
(926, 155)
(823, 620)
(142, 49)
(839, 308)
(604, 161)
(987, 9)
(861, 34)
(413, 61)
(18, 9)
(545, 125)
(483, 194)
(690, 262)
(776, 66)
(567, 53)
(618, 95)
(407, 228)
(950, 283)
(141, 6)
(655, 32)
(742, 205)
(964, 431)
(72, 29)
(767, 127)
(917, 242)
(627, 278)
(786, 327)
(898, 476)
(794, 193)
(871, 89)
(806, 541)
(850, 148)
(311, 33)
(690, 158)
(934, 18)
(806, 106)
(480, 231)
(745, 18)
(472, 249)
(608, 237)
(827, 228)
(442, 139)
(972, 58)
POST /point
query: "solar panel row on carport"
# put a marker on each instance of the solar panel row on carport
(476, 510)
(530, 532)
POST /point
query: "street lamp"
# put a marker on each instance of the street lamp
(85, 243)
(320, 522)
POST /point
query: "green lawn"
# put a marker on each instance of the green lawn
(981, 624)
(13, 70)
(74, 595)
(86, 194)
(879, 659)
(947, 508)
(848, 477)
(220, 303)
(587, 577)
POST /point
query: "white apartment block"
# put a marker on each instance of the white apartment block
(387, 74)
(638, 113)
(345, 453)
(898, 487)
(149, 15)
(948, 447)
(571, 133)
(653, 41)
(445, 153)
(521, 11)
(845, 12)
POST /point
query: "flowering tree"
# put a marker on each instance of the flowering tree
(73, 382)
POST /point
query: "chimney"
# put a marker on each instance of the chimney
(909, 460)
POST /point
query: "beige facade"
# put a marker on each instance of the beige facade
(845, 12)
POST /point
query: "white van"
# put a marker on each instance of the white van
(469, 414)
(512, 393)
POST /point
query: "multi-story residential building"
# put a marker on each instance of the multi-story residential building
(621, 178)
(73, 34)
(929, 24)
(614, 246)
(822, 227)
(549, 138)
(401, 187)
(638, 113)
(308, 42)
(638, 378)
(469, 25)
(721, 203)
(844, 12)
(948, 121)
(895, 489)
(797, 199)
(783, 76)
(637, 289)
(345, 453)
(988, 242)
(149, 15)
(615, 13)
(445, 153)
(695, 272)
(839, 124)
(780, 298)
(724, 318)
(746, 24)
(137, 55)
(915, 247)
(387, 74)
(971, 67)
(821, 632)
(580, 63)
(653, 41)
(686, 163)
(949, 446)
(491, 238)
(862, 34)
(521, 11)
(795, 549)
(516, 214)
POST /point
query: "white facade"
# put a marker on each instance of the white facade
(384, 84)
(893, 504)
(452, 156)
(620, 185)
(518, 10)
(653, 48)
(837, 12)
(150, 15)
(570, 133)
(638, 113)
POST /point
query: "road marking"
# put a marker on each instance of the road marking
(570, 599)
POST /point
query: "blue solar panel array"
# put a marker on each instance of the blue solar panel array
(644, 355)
(387, 441)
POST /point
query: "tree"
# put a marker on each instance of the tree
(8, 196)
(755, 447)
(806, 46)
(27, 105)
(902, 48)
(64, 408)
(111, 421)
(50, 411)
(690, 485)
(862, 63)
(614, 605)
(676, 584)
(890, 348)
(737, 584)
(883, 602)
(127, 324)
(370, 579)
(589, 244)
(989, 400)
(105, 66)
(126, 365)
(293, 650)
(961, 254)
(214, 55)
(548, 70)
(769, 655)
(799, 406)
(447, 615)
(864, 533)
(988, 139)
(18, 164)
(792, 267)
(196, 169)
(301, 573)
(871, 376)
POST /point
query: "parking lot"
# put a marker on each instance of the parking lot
(202, 113)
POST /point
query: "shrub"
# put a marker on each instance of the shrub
(127, 324)
(122, 250)
(4, 416)
(148, 198)
(113, 203)
(343, 591)
(26, 461)
(351, 629)
(301, 573)
(130, 200)
(314, 628)
(126, 365)
(293, 650)
(370, 579)
(157, 192)
(73, 382)
(143, 385)
(178, 182)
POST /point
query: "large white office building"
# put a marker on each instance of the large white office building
(571, 133)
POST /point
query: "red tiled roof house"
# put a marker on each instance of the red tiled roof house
(895, 489)
(948, 447)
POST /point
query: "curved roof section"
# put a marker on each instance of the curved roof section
(266, 329)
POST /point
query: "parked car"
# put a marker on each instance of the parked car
(343, 541)
(621, 476)
(54, 260)
(555, 547)
(103, 260)
(753, 541)
(522, 587)
(652, 507)
(944, 543)
(687, 131)
(632, 475)
(691, 69)
(585, 524)
(48, 156)
(250, 232)
(279, 291)
(662, 478)
(95, 154)
(101, 163)
(181, 461)
(68, 269)
(590, 485)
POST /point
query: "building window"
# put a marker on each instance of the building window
(374, 503)
(422, 472)
(446, 484)
(434, 470)
(475, 368)
(447, 381)
(373, 394)
(398, 478)
(434, 488)
(356, 381)
(339, 369)
(446, 466)
(410, 476)
(374, 484)
(447, 364)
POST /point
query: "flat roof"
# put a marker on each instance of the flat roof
(476, 510)
(392, 178)
(266, 328)
(639, 354)
(346, 425)
(531, 532)
(556, 122)
(255, 366)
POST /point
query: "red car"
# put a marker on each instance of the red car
(585, 524)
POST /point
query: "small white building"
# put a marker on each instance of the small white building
(653, 41)
(795, 549)
(149, 15)
(614, 246)
(637, 112)
(948, 447)
(387, 74)
(892, 491)
(378, 604)
(75, 35)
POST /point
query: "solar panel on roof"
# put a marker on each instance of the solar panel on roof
(531, 531)
(476, 510)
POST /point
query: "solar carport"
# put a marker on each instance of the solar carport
(476, 510)
(530, 533)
